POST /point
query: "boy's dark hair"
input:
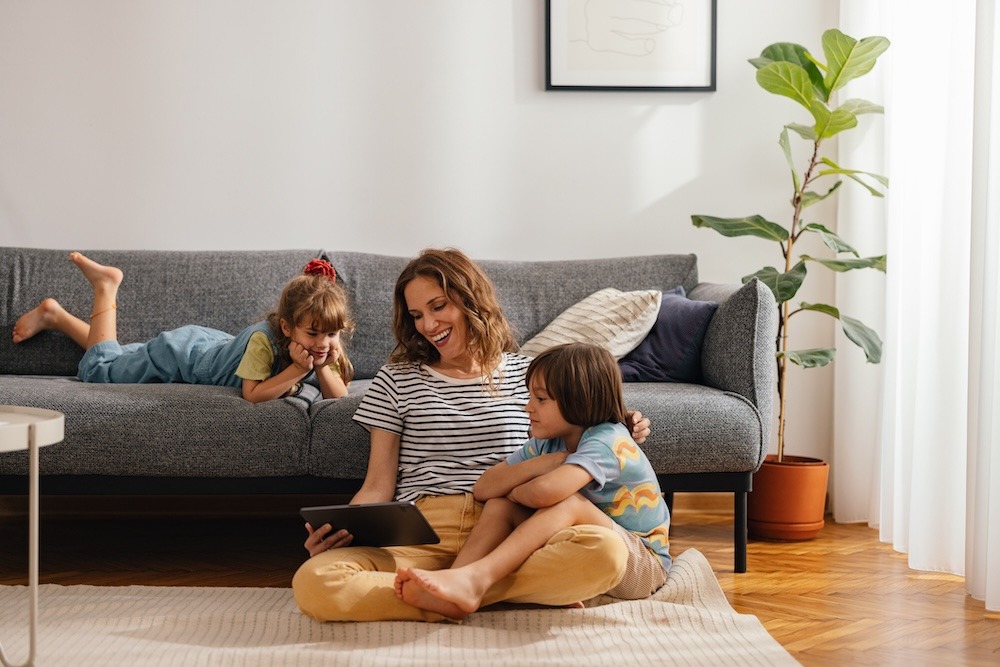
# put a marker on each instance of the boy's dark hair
(584, 380)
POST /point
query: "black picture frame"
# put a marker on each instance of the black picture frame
(597, 45)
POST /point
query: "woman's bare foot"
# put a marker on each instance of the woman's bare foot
(412, 593)
(99, 275)
(42, 317)
(456, 587)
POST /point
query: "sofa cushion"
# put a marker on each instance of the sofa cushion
(615, 320)
(672, 350)
(162, 430)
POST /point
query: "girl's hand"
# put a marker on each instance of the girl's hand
(300, 356)
(324, 539)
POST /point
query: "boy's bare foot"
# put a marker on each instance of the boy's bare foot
(99, 275)
(38, 319)
(457, 587)
(416, 595)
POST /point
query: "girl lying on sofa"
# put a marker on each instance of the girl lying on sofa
(301, 339)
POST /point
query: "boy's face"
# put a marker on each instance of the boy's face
(546, 418)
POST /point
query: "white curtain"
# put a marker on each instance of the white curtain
(938, 472)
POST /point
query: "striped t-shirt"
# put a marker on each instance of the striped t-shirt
(450, 430)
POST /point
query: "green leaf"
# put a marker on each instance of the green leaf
(853, 175)
(809, 197)
(787, 149)
(830, 123)
(841, 265)
(782, 285)
(813, 358)
(847, 58)
(753, 225)
(832, 311)
(858, 106)
(863, 337)
(797, 54)
(790, 80)
(831, 239)
(807, 132)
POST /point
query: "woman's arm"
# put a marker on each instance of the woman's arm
(379, 486)
(383, 466)
(500, 479)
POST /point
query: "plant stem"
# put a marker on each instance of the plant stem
(783, 307)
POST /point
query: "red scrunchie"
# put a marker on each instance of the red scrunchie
(320, 267)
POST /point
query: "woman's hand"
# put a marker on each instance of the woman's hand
(324, 539)
(640, 427)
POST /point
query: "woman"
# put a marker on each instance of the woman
(448, 405)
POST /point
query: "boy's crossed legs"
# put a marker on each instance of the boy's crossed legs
(501, 541)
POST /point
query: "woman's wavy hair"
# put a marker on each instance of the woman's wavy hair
(584, 380)
(471, 291)
(316, 301)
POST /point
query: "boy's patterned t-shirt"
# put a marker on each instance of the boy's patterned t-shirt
(624, 485)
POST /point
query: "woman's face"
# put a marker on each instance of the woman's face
(438, 320)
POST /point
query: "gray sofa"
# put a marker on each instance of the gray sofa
(186, 439)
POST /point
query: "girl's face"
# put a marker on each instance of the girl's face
(438, 320)
(321, 344)
(546, 418)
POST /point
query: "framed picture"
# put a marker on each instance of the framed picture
(630, 45)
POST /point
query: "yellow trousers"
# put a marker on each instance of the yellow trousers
(356, 583)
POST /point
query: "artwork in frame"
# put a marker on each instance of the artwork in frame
(664, 45)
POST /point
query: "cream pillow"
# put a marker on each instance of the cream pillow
(615, 320)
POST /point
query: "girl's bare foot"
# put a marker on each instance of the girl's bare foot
(99, 275)
(413, 594)
(40, 318)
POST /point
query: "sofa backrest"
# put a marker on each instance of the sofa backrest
(532, 293)
(229, 290)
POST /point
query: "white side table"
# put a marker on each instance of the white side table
(30, 428)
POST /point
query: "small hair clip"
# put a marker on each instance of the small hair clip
(320, 267)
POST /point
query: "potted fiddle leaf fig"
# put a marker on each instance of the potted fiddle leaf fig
(791, 71)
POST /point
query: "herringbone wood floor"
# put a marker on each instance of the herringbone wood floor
(841, 599)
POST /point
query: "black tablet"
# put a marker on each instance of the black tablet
(375, 524)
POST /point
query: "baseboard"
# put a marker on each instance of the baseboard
(712, 502)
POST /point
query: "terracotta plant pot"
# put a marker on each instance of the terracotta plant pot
(788, 500)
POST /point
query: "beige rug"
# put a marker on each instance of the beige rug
(688, 622)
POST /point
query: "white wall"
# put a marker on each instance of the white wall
(384, 126)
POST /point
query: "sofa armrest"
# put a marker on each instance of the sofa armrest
(738, 352)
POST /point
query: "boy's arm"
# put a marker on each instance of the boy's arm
(552, 487)
(499, 480)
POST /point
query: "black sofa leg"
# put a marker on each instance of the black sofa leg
(740, 532)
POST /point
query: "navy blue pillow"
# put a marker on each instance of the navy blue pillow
(672, 350)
